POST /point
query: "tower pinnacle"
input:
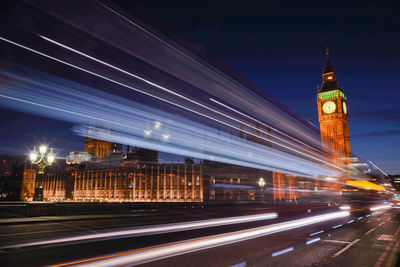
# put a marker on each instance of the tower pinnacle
(328, 66)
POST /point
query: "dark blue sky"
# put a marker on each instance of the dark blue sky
(280, 47)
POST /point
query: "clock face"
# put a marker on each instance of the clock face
(329, 107)
(344, 108)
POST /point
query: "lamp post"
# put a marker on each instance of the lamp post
(261, 183)
(41, 160)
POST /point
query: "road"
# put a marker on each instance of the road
(355, 240)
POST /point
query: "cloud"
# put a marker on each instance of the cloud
(377, 134)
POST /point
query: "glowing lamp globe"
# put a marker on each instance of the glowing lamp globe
(33, 156)
(50, 158)
(42, 149)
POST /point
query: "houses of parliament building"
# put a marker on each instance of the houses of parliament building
(103, 172)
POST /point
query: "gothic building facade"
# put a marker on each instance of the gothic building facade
(333, 117)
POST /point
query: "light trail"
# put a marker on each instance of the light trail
(167, 101)
(168, 250)
(266, 125)
(150, 230)
(212, 80)
(194, 102)
(380, 207)
(129, 119)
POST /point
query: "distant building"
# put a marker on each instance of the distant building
(100, 148)
(11, 174)
(395, 179)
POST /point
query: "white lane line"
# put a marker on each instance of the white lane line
(313, 240)
(242, 264)
(345, 248)
(283, 251)
(316, 233)
(37, 232)
(382, 223)
(336, 241)
(370, 231)
(351, 221)
(337, 226)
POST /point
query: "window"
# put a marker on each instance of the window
(212, 195)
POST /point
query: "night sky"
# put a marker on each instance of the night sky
(280, 47)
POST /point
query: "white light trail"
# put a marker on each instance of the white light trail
(152, 230)
(317, 157)
(266, 125)
(378, 168)
(380, 207)
(187, 246)
(172, 103)
(130, 120)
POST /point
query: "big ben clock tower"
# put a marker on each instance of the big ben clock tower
(333, 117)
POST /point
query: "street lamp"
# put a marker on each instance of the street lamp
(42, 160)
(261, 183)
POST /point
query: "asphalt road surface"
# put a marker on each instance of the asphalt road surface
(361, 239)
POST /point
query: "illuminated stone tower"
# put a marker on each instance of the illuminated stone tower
(98, 148)
(333, 117)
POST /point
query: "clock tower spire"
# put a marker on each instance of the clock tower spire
(333, 117)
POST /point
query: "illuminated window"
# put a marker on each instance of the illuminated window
(212, 195)
(330, 78)
(238, 180)
(231, 180)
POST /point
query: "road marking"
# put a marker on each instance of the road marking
(370, 231)
(382, 223)
(37, 232)
(392, 255)
(337, 226)
(242, 264)
(336, 241)
(313, 241)
(383, 255)
(316, 233)
(351, 221)
(345, 248)
(283, 251)
(381, 246)
(387, 237)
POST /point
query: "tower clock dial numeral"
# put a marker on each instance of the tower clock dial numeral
(344, 108)
(329, 107)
